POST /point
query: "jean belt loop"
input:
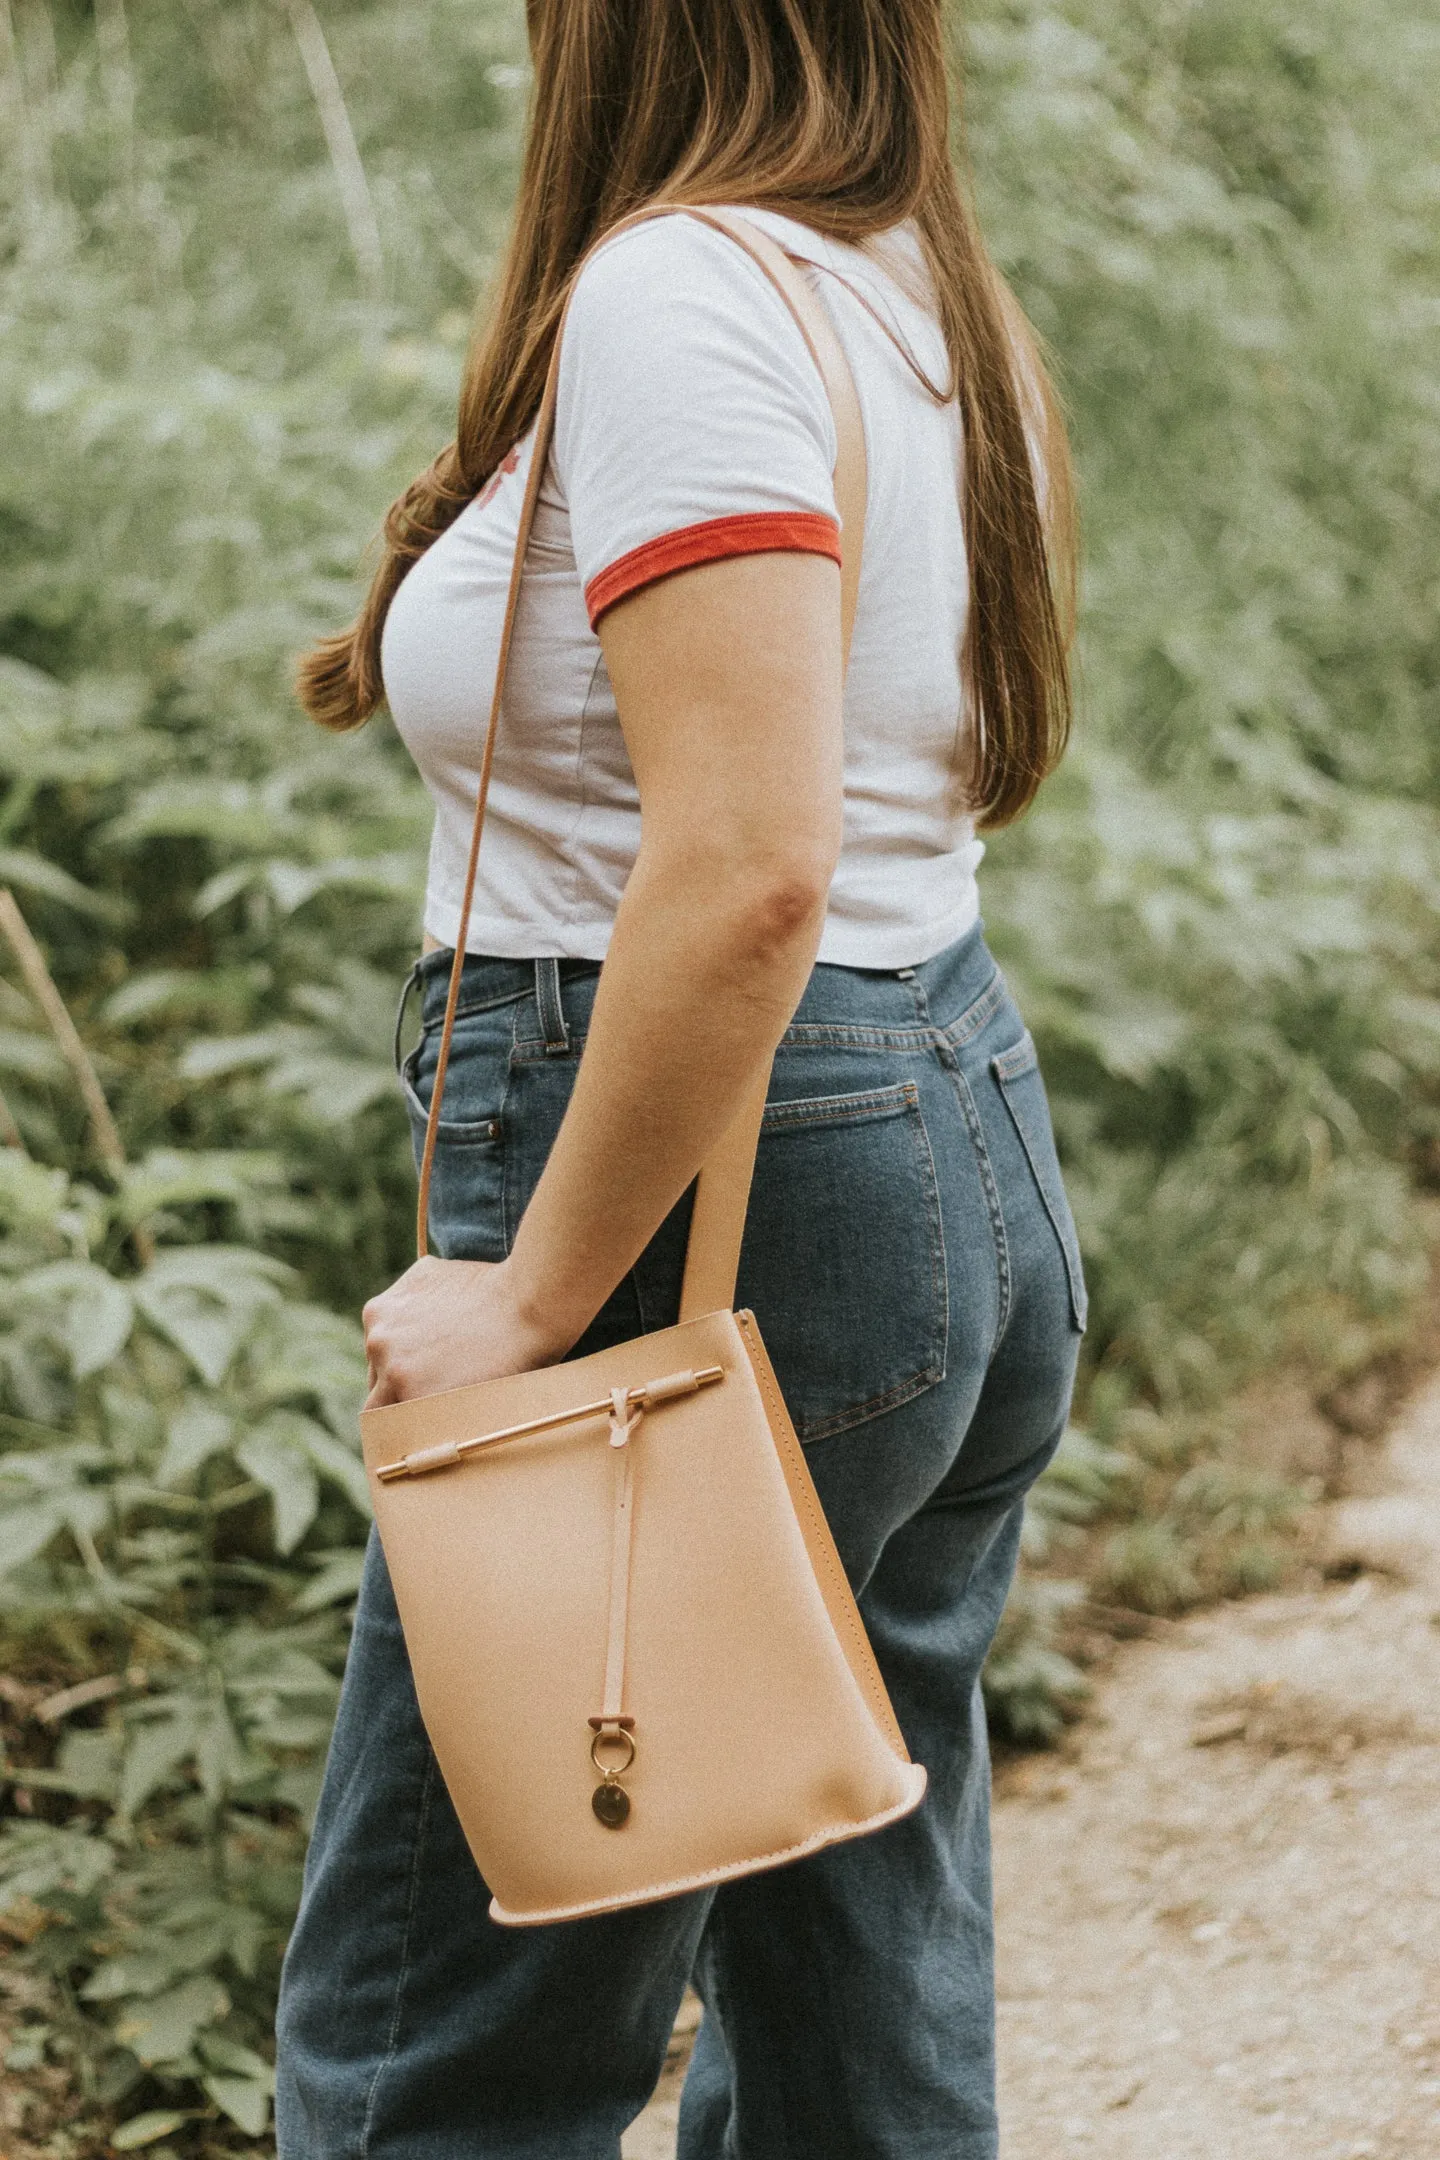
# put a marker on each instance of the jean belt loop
(411, 980)
(915, 984)
(552, 1011)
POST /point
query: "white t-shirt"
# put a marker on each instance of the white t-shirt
(692, 424)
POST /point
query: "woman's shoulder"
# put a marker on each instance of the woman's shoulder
(672, 266)
(687, 395)
(673, 313)
(684, 242)
(676, 284)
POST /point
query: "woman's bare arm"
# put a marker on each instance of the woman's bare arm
(728, 682)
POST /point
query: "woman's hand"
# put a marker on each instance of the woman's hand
(448, 1324)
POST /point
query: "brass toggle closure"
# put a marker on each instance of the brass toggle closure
(421, 1461)
(609, 1802)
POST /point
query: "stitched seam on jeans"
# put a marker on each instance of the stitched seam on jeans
(1010, 1064)
(939, 1259)
(1074, 1264)
(401, 1059)
(977, 1015)
(550, 1009)
(903, 1391)
(822, 1034)
(866, 1108)
(484, 1131)
(467, 1012)
(971, 1115)
(939, 1269)
(422, 1821)
(530, 1050)
(477, 1132)
(807, 1034)
(507, 1234)
(833, 1568)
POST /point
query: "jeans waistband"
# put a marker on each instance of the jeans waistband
(959, 984)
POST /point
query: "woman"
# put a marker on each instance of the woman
(802, 887)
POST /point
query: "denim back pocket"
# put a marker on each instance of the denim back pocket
(467, 1185)
(843, 1263)
(1017, 1074)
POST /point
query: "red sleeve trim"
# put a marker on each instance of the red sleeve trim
(758, 532)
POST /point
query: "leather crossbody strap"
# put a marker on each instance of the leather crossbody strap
(722, 1190)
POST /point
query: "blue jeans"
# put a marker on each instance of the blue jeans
(912, 1262)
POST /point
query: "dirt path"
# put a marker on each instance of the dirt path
(1220, 1920)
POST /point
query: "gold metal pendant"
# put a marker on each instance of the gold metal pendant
(611, 1803)
(610, 1800)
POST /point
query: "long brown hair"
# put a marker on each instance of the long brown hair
(837, 112)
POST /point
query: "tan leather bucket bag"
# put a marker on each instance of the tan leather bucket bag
(635, 1651)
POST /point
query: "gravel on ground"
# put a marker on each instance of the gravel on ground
(1219, 1911)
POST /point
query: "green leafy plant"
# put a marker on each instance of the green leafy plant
(181, 1502)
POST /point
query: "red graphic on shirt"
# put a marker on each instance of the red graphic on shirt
(492, 485)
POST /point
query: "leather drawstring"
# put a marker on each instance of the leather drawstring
(623, 1420)
(612, 1750)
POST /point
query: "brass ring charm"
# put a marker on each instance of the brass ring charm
(604, 1739)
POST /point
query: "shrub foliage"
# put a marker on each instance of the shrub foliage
(1222, 917)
